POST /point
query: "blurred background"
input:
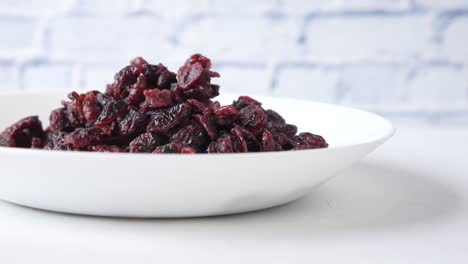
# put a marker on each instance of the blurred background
(405, 59)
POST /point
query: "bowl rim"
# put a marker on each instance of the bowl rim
(391, 130)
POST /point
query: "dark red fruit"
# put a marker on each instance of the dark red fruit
(146, 142)
(150, 109)
(83, 137)
(268, 142)
(308, 140)
(110, 113)
(58, 120)
(169, 148)
(226, 115)
(166, 119)
(192, 135)
(156, 98)
(106, 148)
(133, 122)
(253, 118)
(221, 145)
(22, 133)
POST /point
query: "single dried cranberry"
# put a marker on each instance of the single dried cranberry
(253, 118)
(146, 142)
(74, 110)
(287, 129)
(274, 119)
(56, 141)
(198, 107)
(208, 124)
(284, 142)
(188, 150)
(22, 133)
(159, 76)
(58, 120)
(248, 141)
(166, 119)
(156, 98)
(221, 145)
(244, 101)
(166, 78)
(110, 112)
(310, 141)
(135, 92)
(192, 135)
(36, 143)
(106, 148)
(133, 122)
(200, 93)
(139, 63)
(83, 137)
(226, 115)
(169, 148)
(91, 108)
(268, 142)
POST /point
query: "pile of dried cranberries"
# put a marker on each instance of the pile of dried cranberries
(150, 109)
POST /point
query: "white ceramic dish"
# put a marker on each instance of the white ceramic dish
(173, 185)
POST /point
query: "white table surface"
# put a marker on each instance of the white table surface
(405, 203)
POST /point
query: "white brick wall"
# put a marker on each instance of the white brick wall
(407, 59)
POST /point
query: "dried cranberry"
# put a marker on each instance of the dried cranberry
(83, 137)
(133, 122)
(208, 124)
(56, 141)
(156, 98)
(22, 133)
(169, 148)
(192, 135)
(135, 92)
(146, 142)
(188, 150)
(268, 142)
(110, 112)
(226, 115)
(310, 141)
(244, 101)
(106, 148)
(253, 118)
(221, 145)
(58, 120)
(166, 119)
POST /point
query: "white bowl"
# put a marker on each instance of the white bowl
(175, 185)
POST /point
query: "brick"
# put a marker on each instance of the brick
(176, 8)
(372, 5)
(8, 75)
(441, 5)
(110, 39)
(316, 6)
(455, 40)
(32, 7)
(244, 7)
(16, 36)
(243, 79)
(241, 38)
(350, 38)
(438, 86)
(103, 7)
(306, 82)
(47, 76)
(373, 85)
